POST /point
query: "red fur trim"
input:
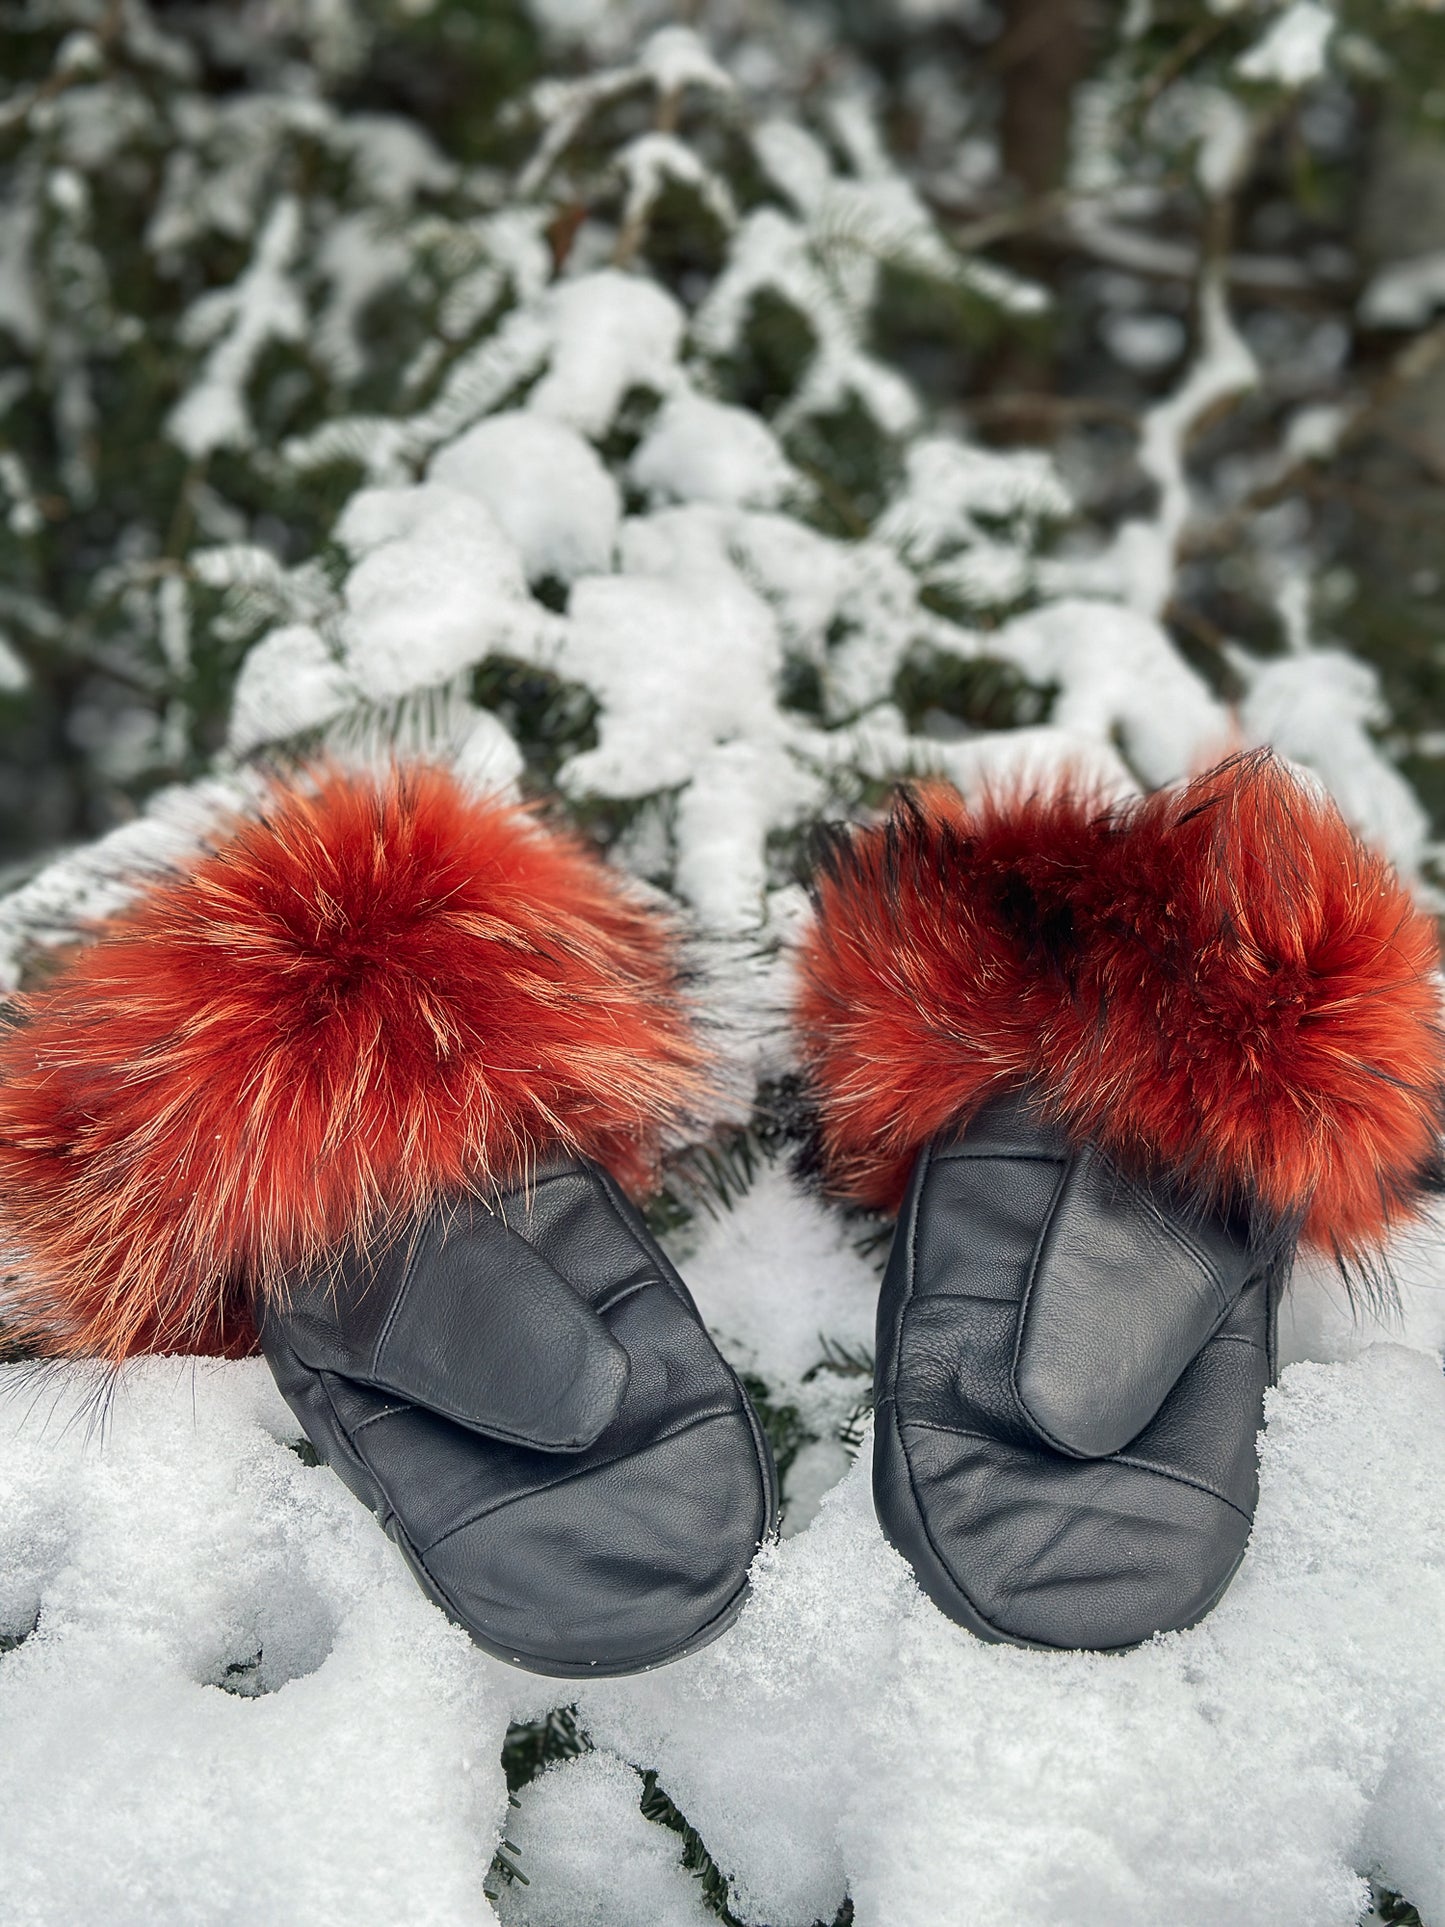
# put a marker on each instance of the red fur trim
(381, 989)
(1218, 982)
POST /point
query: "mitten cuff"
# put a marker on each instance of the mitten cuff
(383, 989)
(1217, 984)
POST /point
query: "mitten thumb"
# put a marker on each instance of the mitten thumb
(1126, 1285)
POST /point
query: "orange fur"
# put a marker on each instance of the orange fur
(1218, 983)
(382, 989)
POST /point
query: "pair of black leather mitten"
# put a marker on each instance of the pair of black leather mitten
(377, 1083)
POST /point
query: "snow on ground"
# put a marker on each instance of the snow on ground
(228, 1701)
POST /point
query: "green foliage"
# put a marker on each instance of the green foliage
(550, 719)
(1393, 1910)
(528, 1750)
(978, 692)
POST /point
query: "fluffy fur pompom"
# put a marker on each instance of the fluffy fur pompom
(1218, 983)
(381, 989)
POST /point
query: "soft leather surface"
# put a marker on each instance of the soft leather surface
(522, 1391)
(1070, 1380)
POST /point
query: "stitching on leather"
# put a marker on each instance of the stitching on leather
(670, 1280)
(402, 1405)
(624, 1292)
(1176, 1233)
(961, 1156)
(396, 1304)
(582, 1472)
(891, 1402)
(343, 1433)
(1070, 1167)
(1182, 1478)
(1114, 1458)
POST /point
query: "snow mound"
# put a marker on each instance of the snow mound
(847, 1736)
(228, 1700)
(785, 1321)
(591, 1858)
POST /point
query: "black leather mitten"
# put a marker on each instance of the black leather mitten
(1108, 1062)
(521, 1389)
(370, 1081)
(1070, 1375)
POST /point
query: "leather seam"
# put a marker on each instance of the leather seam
(1113, 1458)
(890, 1399)
(1033, 1424)
(581, 1472)
(394, 1313)
(625, 1292)
(468, 1420)
(1173, 1233)
(1180, 1478)
(1002, 1157)
(388, 1411)
(670, 1279)
(345, 1435)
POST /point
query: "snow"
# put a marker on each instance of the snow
(610, 332)
(1405, 294)
(13, 673)
(650, 162)
(236, 323)
(1139, 563)
(772, 252)
(846, 1732)
(358, 257)
(19, 301)
(676, 57)
(289, 684)
(1146, 342)
(234, 1704)
(948, 484)
(591, 1859)
(705, 451)
(436, 586)
(1118, 674)
(783, 1329)
(545, 488)
(348, 1768)
(99, 877)
(684, 656)
(1318, 706)
(1293, 49)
